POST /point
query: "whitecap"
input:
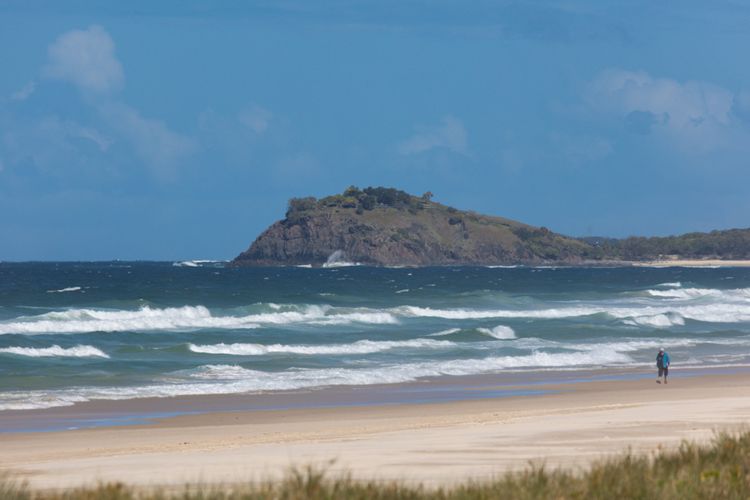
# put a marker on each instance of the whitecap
(79, 351)
(500, 332)
(656, 320)
(442, 333)
(233, 379)
(186, 317)
(671, 284)
(67, 289)
(359, 347)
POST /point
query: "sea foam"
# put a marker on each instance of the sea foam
(182, 318)
(66, 289)
(359, 347)
(233, 379)
(79, 351)
(500, 332)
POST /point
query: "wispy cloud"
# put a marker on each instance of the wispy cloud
(255, 118)
(449, 133)
(151, 139)
(24, 92)
(85, 58)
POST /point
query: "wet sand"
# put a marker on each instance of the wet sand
(474, 428)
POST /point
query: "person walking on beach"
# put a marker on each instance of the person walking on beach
(662, 363)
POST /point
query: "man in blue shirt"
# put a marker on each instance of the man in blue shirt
(662, 363)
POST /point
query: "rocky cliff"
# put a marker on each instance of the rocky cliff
(388, 227)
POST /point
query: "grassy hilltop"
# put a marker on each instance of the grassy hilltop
(389, 227)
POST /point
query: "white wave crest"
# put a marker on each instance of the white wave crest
(338, 259)
(496, 313)
(671, 284)
(359, 347)
(656, 320)
(442, 333)
(232, 379)
(186, 317)
(737, 294)
(667, 314)
(500, 332)
(197, 263)
(65, 290)
(144, 319)
(79, 351)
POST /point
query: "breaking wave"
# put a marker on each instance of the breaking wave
(359, 347)
(67, 289)
(442, 333)
(500, 332)
(79, 351)
(233, 379)
(186, 317)
(657, 315)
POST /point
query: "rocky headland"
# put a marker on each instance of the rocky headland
(388, 227)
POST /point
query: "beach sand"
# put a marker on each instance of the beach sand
(433, 443)
(692, 263)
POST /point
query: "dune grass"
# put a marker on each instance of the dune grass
(716, 471)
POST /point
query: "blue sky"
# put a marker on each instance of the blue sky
(179, 129)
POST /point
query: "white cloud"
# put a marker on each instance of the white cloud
(152, 140)
(255, 118)
(693, 114)
(24, 92)
(449, 134)
(85, 58)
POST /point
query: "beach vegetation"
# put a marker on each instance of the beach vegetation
(720, 470)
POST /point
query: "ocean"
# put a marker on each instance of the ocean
(76, 332)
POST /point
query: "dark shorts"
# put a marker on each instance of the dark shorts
(663, 371)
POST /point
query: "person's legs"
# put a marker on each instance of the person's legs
(666, 372)
(658, 377)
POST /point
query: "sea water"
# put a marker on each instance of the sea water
(76, 332)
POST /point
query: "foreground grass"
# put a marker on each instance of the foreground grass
(719, 470)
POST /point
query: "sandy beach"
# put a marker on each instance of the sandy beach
(692, 263)
(568, 424)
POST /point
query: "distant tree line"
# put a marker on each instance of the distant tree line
(729, 244)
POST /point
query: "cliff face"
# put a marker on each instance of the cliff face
(387, 227)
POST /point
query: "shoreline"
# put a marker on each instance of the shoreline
(568, 424)
(104, 413)
(698, 263)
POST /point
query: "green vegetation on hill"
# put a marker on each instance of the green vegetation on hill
(718, 471)
(359, 199)
(729, 244)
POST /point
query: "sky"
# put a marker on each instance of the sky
(179, 129)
